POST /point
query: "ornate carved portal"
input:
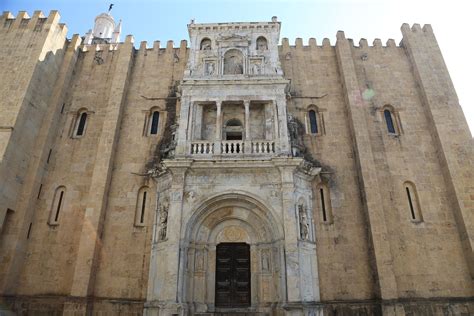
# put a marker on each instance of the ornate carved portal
(234, 257)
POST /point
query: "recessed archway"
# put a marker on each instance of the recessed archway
(233, 218)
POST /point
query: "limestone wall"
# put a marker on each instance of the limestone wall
(33, 59)
(369, 249)
(343, 254)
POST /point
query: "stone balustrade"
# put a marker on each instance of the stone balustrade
(233, 147)
(202, 148)
(263, 147)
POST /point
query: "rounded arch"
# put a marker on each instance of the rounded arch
(206, 44)
(413, 201)
(232, 217)
(233, 62)
(262, 43)
(81, 122)
(216, 209)
(313, 119)
(57, 205)
(390, 118)
(233, 122)
(154, 121)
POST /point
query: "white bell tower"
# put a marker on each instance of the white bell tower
(105, 31)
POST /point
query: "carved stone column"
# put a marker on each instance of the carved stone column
(219, 120)
(247, 119)
(217, 141)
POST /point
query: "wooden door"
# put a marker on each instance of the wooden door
(233, 275)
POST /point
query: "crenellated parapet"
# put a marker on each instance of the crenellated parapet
(37, 23)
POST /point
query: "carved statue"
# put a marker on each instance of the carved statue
(296, 131)
(304, 225)
(265, 261)
(255, 69)
(210, 69)
(163, 221)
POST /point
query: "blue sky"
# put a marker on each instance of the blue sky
(166, 20)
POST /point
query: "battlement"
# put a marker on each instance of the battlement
(36, 23)
(363, 43)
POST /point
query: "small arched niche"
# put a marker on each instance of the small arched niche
(233, 130)
(262, 43)
(233, 62)
(206, 44)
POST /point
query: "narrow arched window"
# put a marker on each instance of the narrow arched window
(413, 202)
(155, 120)
(81, 125)
(313, 121)
(389, 121)
(56, 206)
(142, 205)
(324, 203)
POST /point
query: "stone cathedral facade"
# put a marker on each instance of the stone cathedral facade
(231, 175)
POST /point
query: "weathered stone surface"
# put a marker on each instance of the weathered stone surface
(235, 159)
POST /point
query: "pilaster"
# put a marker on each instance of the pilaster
(283, 126)
(89, 244)
(167, 265)
(302, 281)
(372, 200)
(183, 126)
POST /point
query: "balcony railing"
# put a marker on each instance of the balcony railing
(233, 147)
(202, 148)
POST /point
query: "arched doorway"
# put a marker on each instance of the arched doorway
(233, 221)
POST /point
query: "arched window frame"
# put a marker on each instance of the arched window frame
(142, 206)
(205, 39)
(233, 125)
(323, 198)
(149, 122)
(260, 38)
(57, 205)
(395, 117)
(77, 122)
(412, 202)
(321, 130)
